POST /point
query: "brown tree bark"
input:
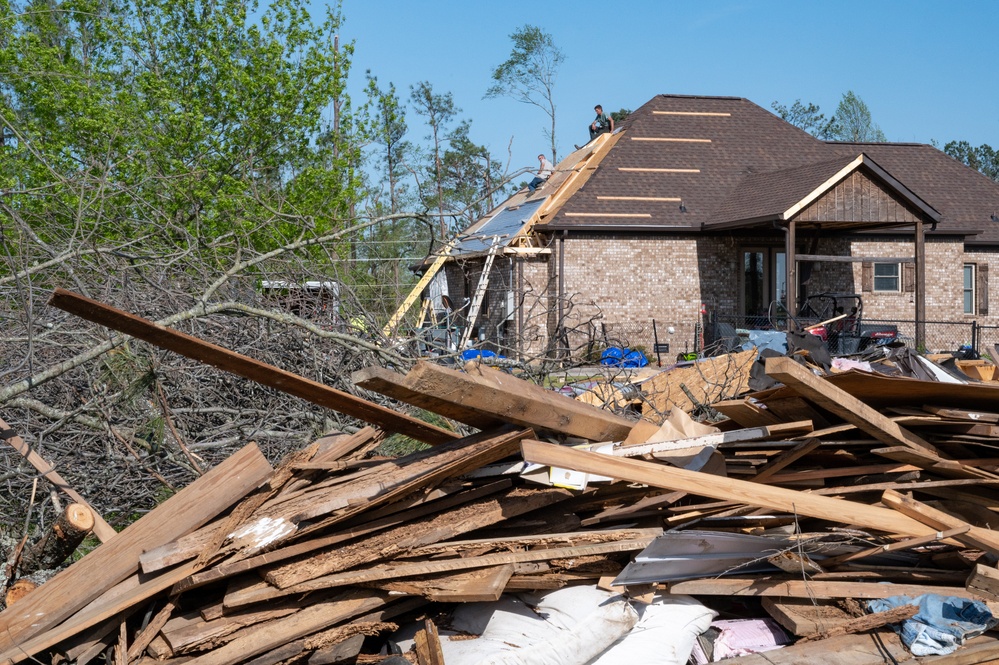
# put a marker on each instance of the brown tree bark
(60, 541)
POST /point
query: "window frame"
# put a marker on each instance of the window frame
(970, 293)
(897, 277)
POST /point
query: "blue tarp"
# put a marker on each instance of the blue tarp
(472, 354)
(615, 356)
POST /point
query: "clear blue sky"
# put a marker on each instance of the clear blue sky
(926, 69)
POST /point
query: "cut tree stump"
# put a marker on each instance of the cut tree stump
(60, 541)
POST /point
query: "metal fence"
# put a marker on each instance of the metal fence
(940, 336)
(711, 336)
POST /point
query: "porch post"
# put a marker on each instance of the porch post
(920, 287)
(792, 273)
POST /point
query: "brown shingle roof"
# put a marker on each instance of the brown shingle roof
(964, 197)
(768, 195)
(727, 159)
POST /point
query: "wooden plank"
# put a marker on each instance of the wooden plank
(443, 525)
(984, 539)
(514, 400)
(725, 489)
(865, 623)
(930, 462)
(964, 414)
(798, 588)
(109, 564)
(231, 568)
(844, 405)
(972, 653)
(984, 580)
(418, 288)
(102, 529)
(96, 613)
(396, 385)
(235, 363)
(475, 586)
(804, 616)
(281, 631)
(774, 466)
(263, 592)
(428, 645)
(746, 413)
(714, 439)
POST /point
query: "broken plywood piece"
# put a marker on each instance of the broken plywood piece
(709, 380)
(804, 616)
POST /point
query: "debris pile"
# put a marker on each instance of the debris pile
(561, 532)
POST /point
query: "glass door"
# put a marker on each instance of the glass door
(763, 279)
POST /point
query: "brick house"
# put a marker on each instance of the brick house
(708, 209)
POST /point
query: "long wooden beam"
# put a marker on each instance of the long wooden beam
(511, 399)
(725, 489)
(396, 385)
(235, 363)
(810, 588)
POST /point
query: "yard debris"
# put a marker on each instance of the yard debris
(832, 487)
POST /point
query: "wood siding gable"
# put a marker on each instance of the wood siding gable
(858, 198)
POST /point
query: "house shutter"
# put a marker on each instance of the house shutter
(866, 276)
(982, 288)
(908, 277)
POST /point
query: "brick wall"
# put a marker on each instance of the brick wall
(618, 283)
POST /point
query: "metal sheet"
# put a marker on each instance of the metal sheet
(502, 227)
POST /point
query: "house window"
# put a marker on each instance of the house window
(969, 288)
(886, 277)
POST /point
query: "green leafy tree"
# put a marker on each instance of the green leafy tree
(184, 118)
(620, 115)
(472, 178)
(853, 122)
(195, 162)
(529, 74)
(438, 111)
(806, 117)
(381, 275)
(982, 158)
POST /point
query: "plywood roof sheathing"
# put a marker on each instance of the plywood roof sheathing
(669, 139)
(639, 169)
(697, 113)
(607, 214)
(673, 199)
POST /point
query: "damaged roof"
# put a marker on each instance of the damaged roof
(684, 163)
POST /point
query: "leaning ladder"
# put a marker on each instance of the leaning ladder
(393, 323)
(480, 293)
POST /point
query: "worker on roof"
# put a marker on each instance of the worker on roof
(544, 173)
(602, 123)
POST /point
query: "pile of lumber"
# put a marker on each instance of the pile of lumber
(859, 487)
